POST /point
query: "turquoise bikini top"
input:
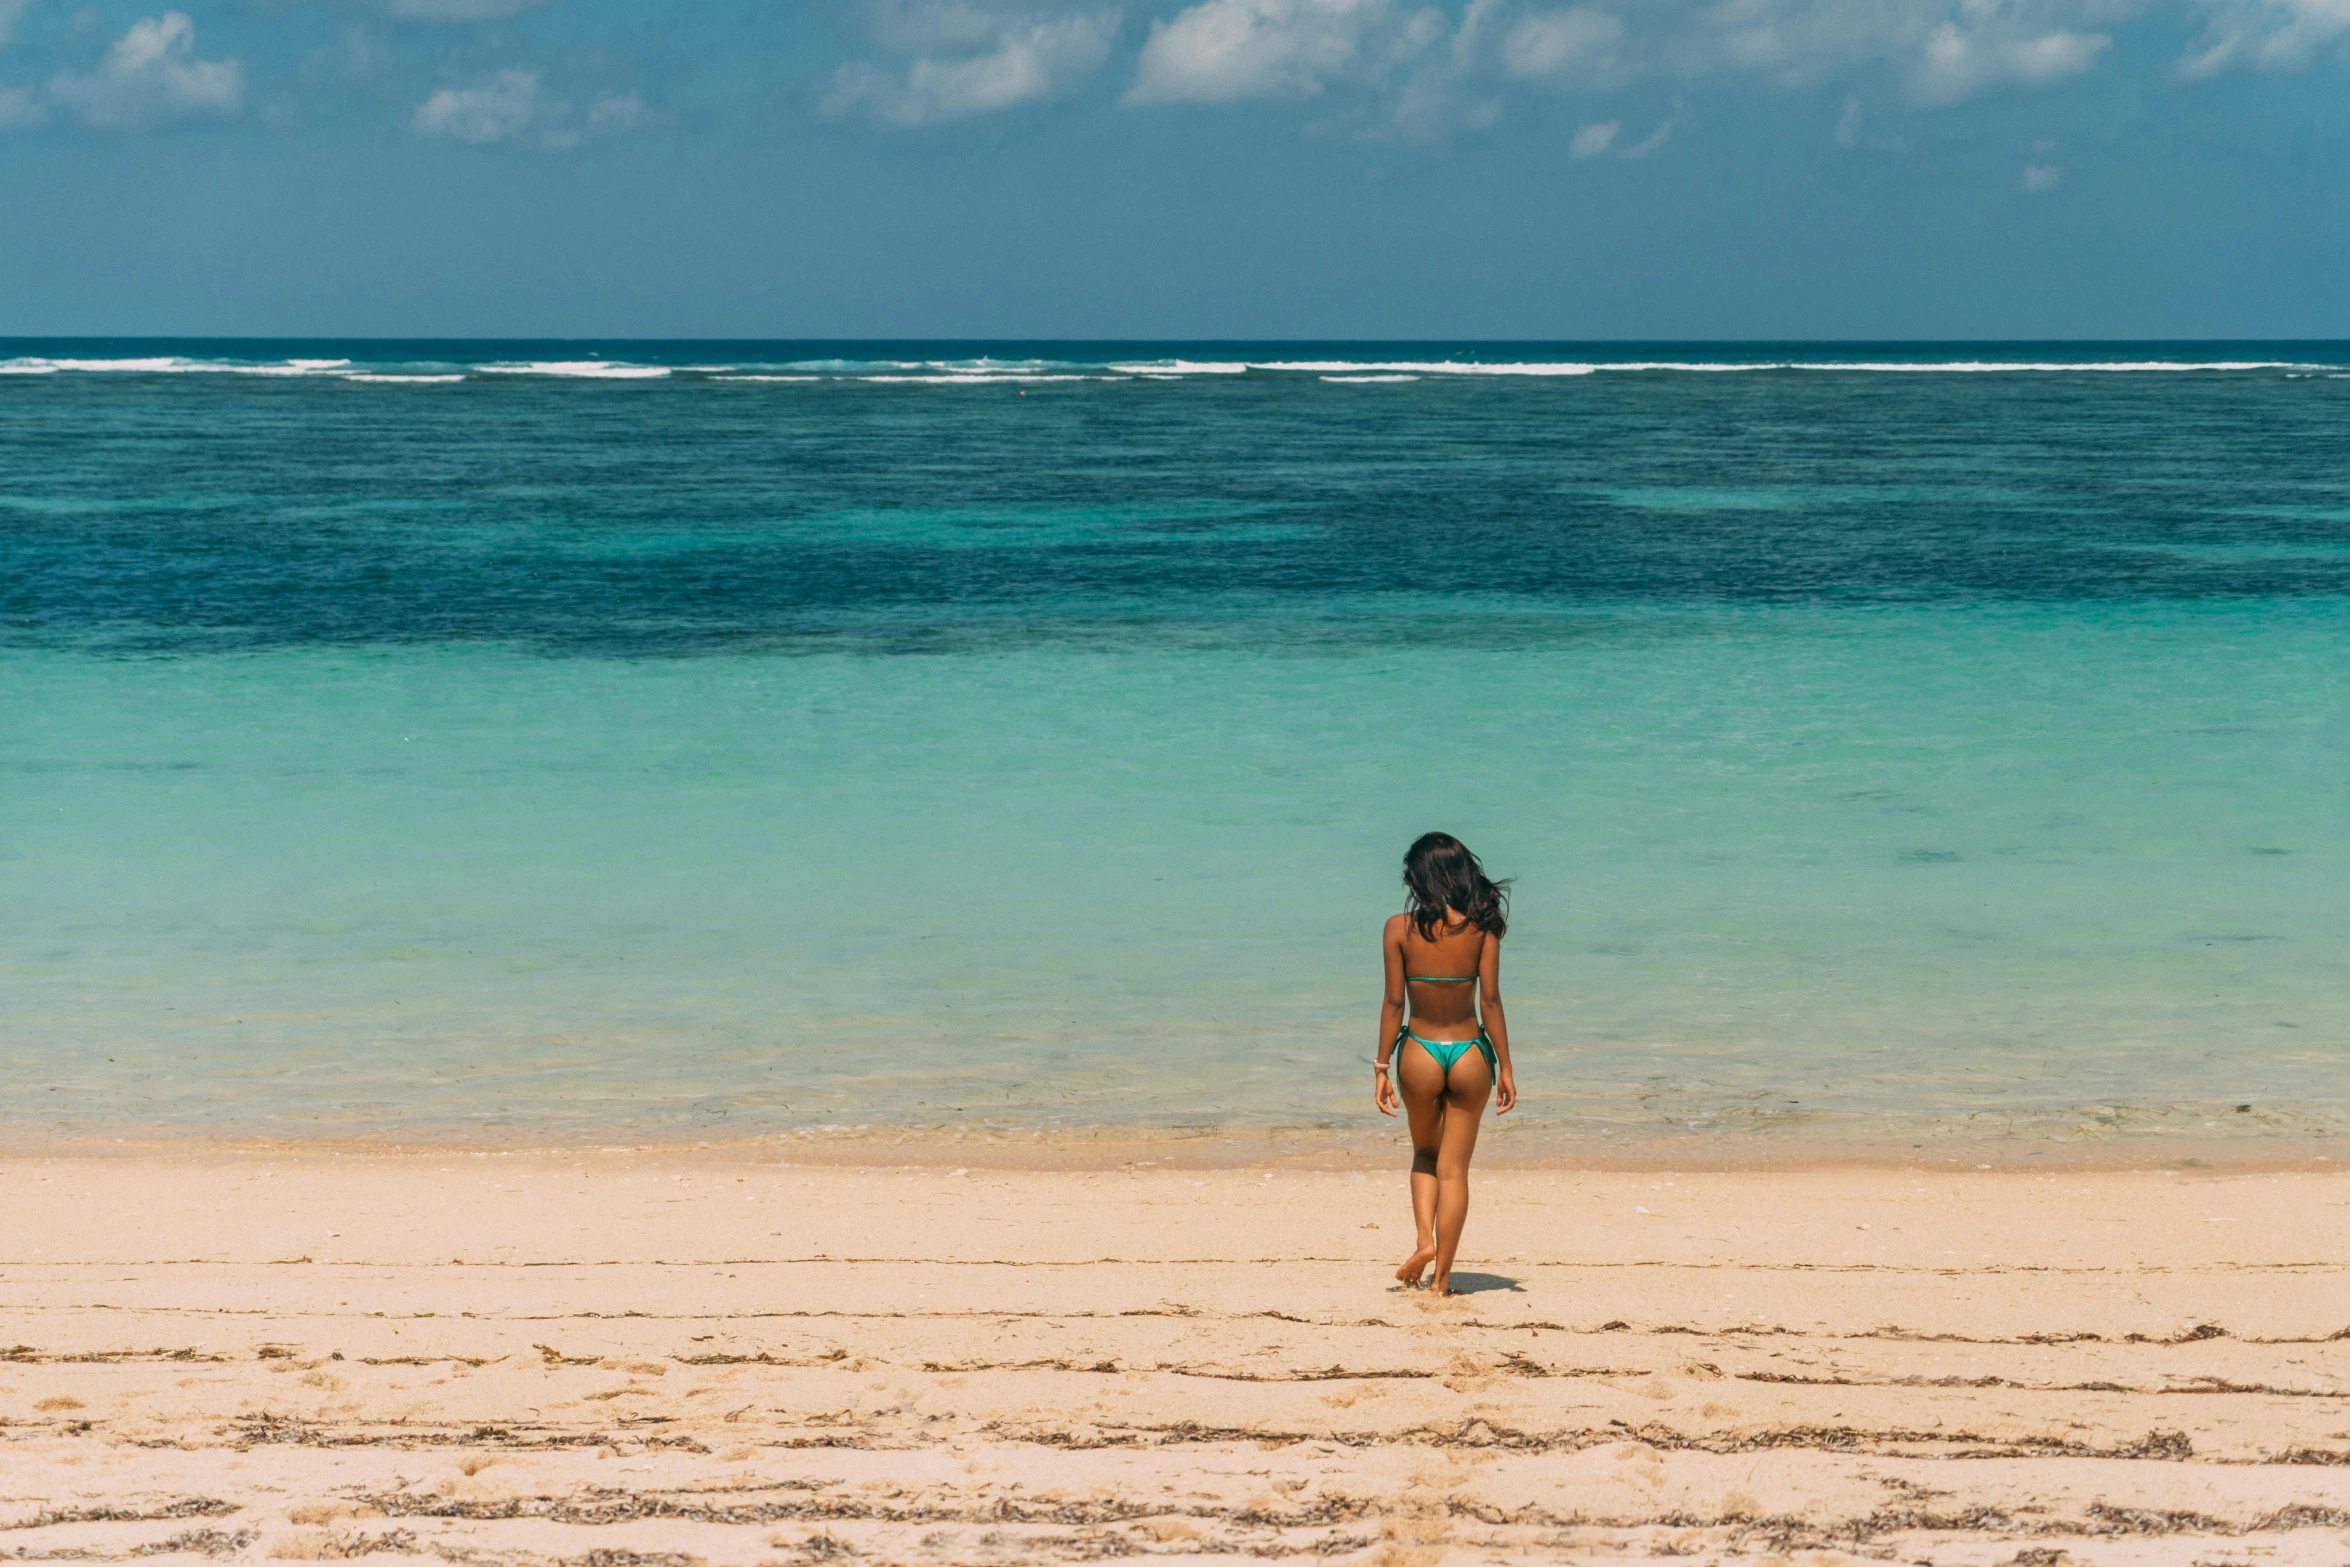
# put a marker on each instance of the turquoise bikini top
(1441, 979)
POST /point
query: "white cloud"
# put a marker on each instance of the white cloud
(11, 13)
(2267, 34)
(150, 76)
(1419, 69)
(1435, 82)
(1600, 140)
(1433, 72)
(492, 112)
(1800, 41)
(2039, 177)
(1549, 41)
(1029, 64)
(1957, 63)
(515, 105)
(1949, 50)
(1474, 19)
(1221, 50)
(1943, 51)
(19, 109)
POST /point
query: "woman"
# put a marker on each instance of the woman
(1446, 946)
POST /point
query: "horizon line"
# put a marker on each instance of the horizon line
(1461, 341)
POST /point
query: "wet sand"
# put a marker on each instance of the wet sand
(650, 1359)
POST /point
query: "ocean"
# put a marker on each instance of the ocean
(521, 743)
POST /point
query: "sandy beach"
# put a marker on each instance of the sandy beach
(622, 1359)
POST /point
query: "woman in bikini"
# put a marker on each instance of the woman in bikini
(1443, 969)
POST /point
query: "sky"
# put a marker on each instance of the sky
(1487, 169)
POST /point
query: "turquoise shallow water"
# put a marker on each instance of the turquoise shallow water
(613, 758)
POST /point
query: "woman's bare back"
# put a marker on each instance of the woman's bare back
(1443, 973)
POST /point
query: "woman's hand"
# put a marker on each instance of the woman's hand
(1505, 1092)
(1383, 1093)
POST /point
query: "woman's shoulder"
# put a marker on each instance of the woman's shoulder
(1396, 925)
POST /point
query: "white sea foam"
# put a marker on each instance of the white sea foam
(989, 371)
(119, 366)
(173, 365)
(974, 378)
(387, 379)
(1420, 367)
(935, 371)
(586, 369)
(1330, 369)
(288, 367)
(2010, 366)
(852, 366)
(1366, 380)
(1172, 367)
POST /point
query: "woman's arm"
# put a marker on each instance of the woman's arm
(1390, 1016)
(1497, 1026)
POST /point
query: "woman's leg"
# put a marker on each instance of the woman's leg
(1421, 1082)
(1464, 1109)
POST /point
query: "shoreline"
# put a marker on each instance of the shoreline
(1112, 1148)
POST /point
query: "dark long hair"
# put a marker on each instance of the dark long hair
(1439, 872)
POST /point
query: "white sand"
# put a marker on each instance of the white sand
(630, 1360)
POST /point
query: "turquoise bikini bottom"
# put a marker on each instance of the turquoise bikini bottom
(1445, 1052)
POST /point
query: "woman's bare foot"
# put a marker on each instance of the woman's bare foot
(1415, 1265)
(1440, 1285)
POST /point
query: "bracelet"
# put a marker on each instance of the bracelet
(1379, 1067)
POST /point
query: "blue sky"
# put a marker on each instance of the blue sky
(1177, 168)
